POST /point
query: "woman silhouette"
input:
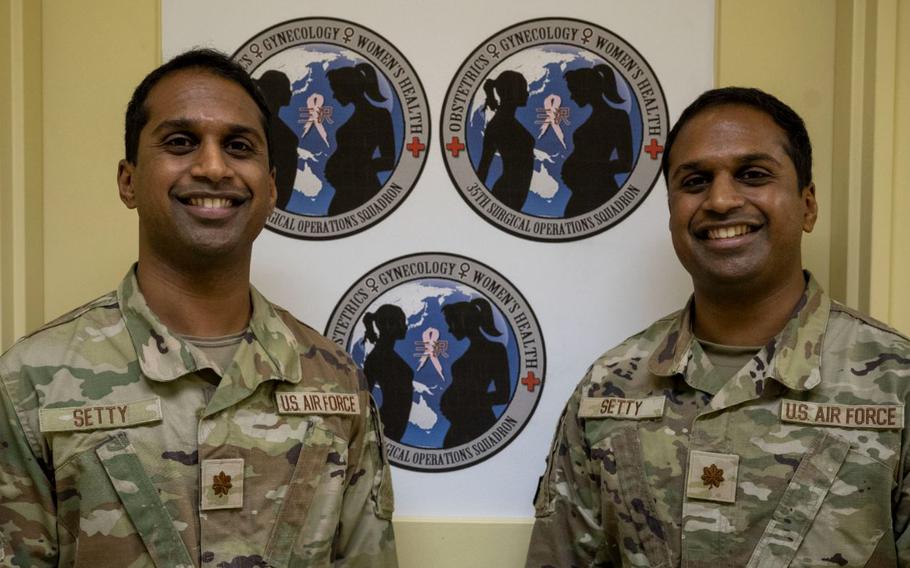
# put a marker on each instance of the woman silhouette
(383, 366)
(352, 167)
(590, 169)
(276, 90)
(507, 137)
(468, 402)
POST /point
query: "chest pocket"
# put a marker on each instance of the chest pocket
(630, 513)
(108, 503)
(305, 525)
(834, 511)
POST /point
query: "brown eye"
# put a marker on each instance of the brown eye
(239, 146)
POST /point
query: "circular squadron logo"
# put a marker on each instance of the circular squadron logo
(350, 124)
(553, 129)
(452, 352)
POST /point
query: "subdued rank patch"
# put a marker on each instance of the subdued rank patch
(870, 416)
(222, 484)
(628, 408)
(99, 417)
(317, 403)
(712, 476)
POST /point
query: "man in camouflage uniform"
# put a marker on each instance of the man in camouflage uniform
(183, 420)
(763, 425)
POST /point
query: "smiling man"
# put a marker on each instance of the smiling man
(763, 424)
(183, 419)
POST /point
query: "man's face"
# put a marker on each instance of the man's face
(201, 182)
(736, 211)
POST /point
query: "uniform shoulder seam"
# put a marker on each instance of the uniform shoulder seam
(108, 300)
(867, 319)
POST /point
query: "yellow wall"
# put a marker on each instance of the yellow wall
(69, 67)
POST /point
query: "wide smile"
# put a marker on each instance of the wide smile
(208, 207)
(727, 236)
(728, 232)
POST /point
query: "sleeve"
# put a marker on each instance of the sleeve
(901, 493)
(366, 538)
(28, 523)
(568, 531)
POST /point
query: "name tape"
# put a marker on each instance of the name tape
(628, 408)
(99, 417)
(317, 403)
(870, 416)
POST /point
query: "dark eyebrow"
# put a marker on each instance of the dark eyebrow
(699, 165)
(187, 124)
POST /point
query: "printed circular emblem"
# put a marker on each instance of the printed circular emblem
(349, 128)
(453, 355)
(553, 129)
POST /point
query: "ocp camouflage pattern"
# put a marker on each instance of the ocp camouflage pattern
(312, 490)
(615, 494)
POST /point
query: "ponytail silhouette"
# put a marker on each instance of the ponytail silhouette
(590, 170)
(505, 136)
(468, 402)
(384, 367)
(353, 167)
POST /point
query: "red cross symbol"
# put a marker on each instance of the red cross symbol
(530, 381)
(415, 147)
(455, 146)
(654, 149)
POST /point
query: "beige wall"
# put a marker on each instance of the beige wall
(68, 68)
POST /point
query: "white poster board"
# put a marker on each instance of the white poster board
(587, 294)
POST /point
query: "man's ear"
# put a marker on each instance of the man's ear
(125, 171)
(810, 215)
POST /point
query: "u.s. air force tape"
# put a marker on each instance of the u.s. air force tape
(628, 408)
(101, 416)
(317, 403)
(869, 416)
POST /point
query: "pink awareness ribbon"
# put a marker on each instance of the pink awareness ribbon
(430, 340)
(314, 117)
(553, 117)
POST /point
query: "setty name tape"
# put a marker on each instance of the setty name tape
(98, 417)
(627, 408)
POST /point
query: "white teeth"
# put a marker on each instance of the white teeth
(728, 232)
(210, 202)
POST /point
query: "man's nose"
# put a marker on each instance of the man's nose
(724, 195)
(210, 163)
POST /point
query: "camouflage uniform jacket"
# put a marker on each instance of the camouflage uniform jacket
(115, 450)
(800, 459)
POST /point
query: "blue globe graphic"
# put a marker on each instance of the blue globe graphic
(422, 302)
(544, 68)
(306, 66)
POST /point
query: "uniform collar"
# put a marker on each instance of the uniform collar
(164, 357)
(792, 357)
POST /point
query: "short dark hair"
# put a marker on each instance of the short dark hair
(798, 146)
(208, 60)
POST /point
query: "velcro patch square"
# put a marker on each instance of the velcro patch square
(712, 476)
(222, 484)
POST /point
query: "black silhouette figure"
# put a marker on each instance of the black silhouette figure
(383, 366)
(589, 169)
(468, 402)
(353, 167)
(276, 89)
(507, 137)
